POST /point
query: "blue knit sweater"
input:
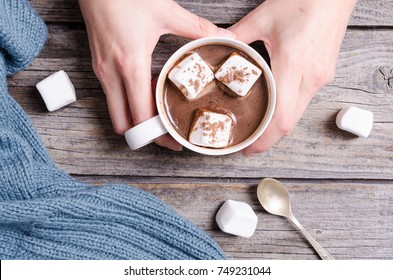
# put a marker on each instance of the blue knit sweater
(44, 213)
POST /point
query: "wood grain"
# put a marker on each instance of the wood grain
(224, 12)
(351, 220)
(341, 186)
(80, 138)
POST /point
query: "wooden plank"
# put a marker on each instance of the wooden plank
(226, 12)
(351, 220)
(80, 138)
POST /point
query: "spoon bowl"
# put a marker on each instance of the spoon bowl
(274, 198)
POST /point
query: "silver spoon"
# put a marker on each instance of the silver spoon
(274, 198)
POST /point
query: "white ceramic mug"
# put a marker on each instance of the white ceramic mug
(145, 132)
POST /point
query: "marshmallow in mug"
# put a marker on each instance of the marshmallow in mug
(237, 75)
(237, 218)
(191, 76)
(211, 129)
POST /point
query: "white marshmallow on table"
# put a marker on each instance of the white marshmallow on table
(355, 120)
(237, 218)
(191, 75)
(238, 74)
(210, 129)
(57, 91)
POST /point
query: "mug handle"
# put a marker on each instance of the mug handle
(145, 133)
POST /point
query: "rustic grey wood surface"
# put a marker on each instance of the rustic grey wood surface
(341, 185)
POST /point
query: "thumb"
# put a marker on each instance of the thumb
(186, 24)
(252, 27)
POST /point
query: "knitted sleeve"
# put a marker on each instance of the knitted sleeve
(22, 34)
(46, 214)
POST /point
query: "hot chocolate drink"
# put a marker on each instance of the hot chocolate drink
(246, 112)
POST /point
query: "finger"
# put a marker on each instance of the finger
(116, 97)
(306, 94)
(266, 141)
(186, 24)
(277, 129)
(135, 73)
(285, 117)
(137, 80)
(252, 27)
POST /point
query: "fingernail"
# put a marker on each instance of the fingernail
(175, 147)
(226, 33)
(249, 152)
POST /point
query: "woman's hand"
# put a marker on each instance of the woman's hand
(303, 39)
(122, 36)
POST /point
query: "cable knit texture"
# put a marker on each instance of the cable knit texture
(46, 214)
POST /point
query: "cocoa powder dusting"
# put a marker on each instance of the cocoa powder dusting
(196, 84)
(235, 75)
(200, 73)
(212, 127)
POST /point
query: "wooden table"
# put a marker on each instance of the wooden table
(341, 186)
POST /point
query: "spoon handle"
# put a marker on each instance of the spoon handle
(321, 252)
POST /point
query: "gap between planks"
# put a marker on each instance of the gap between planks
(172, 181)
